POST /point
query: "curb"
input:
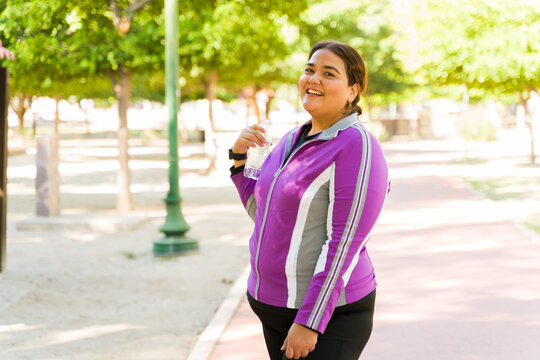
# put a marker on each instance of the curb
(82, 222)
(210, 336)
(535, 238)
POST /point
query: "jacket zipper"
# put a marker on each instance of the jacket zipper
(266, 213)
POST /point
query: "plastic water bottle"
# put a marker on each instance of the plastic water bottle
(256, 157)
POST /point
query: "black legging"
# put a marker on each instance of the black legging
(345, 336)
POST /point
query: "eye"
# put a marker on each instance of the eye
(328, 74)
(309, 70)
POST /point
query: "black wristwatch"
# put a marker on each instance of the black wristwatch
(235, 156)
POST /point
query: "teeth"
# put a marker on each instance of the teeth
(313, 92)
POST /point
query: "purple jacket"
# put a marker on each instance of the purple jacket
(313, 215)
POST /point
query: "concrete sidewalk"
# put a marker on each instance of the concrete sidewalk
(457, 278)
(86, 286)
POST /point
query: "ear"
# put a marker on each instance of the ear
(353, 91)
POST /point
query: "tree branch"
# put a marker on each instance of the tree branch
(115, 13)
(134, 6)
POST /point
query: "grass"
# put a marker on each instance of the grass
(468, 161)
(130, 255)
(533, 223)
(501, 189)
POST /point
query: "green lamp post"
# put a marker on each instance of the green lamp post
(175, 225)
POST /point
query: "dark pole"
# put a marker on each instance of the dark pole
(175, 226)
(3, 163)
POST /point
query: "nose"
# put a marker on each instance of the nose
(314, 78)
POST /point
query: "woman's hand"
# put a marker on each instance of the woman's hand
(300, 341)
(251, 136)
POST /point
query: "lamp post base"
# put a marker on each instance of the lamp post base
(174, 245)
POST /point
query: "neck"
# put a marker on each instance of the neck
(320, 124)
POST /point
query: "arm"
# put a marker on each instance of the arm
(249, 137)
(245, 189)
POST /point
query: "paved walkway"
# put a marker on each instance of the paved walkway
(96, 291)
(457, 279)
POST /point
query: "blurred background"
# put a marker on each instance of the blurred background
(465, 69)
(454, 91)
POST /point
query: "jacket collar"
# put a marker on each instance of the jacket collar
(333, 130)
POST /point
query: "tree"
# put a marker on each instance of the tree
(118, 38)
(492, 47)
(63, 41)
(37, 32)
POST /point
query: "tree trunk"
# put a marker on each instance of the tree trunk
(20, 112)
(86, 119)
(255, 105)
(271, 94)
(530, 126)
(56, 115)
(20, 106)
(35, 118)
(122, 91)
(211, 91)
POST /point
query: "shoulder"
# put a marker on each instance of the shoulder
(356, 134)
(355, 140)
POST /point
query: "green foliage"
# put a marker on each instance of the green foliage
(148, 86)
(491, 46)
(366, 26)
(241, 40)
(100, 47)
(68, 47)
(37, 32)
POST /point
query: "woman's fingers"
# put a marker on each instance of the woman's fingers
(251, 136)
(255, 138)
(289, 353)
(261, 139)
(257, 127)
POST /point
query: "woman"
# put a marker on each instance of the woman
(317, 199)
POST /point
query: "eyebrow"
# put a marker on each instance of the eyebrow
(326, 67)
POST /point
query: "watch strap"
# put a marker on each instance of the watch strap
(235, 156)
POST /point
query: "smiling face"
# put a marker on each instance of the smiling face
(324, 87)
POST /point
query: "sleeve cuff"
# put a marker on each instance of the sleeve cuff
(236, 170)
(307, 327)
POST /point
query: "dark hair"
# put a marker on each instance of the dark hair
(354, 65)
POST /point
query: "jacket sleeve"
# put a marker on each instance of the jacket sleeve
(357, 192)
(246, 188)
